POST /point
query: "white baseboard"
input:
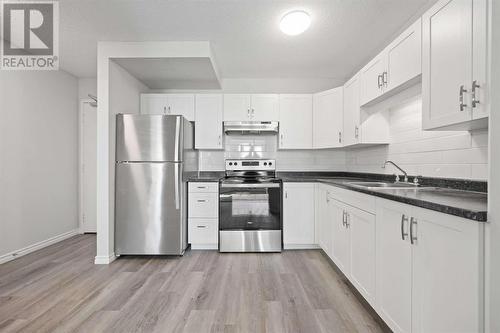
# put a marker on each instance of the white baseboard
(301, 246)
(37, 246)
(104, 260)
(204, 246)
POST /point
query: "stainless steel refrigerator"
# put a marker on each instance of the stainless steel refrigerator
(152, 154)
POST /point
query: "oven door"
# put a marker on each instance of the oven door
(250, 206)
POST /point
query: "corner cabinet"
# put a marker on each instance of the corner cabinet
(168, 104)
(298, 216)
(429, 270)
(360, 125)
(454, 65)
(208, 125)
(295, 117)
(328, 114)
(256, 107)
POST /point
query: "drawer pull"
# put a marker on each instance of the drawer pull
(201, 186)
(202, 200)
(201, 226)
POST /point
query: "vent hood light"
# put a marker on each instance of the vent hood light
(295, 22)
(251, 127)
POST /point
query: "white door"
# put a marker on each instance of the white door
(298, 215)
(362, 227)
(394, 265)
(352, 113)
(446, 277)
(328, 110)
(295, 121)
(372, 78)
(208, 125)
(264, 107)
(404, 56)
(446, 63)
(88, 165)
(341, 238)
(154, 104)
(237, 107)
(181, 104)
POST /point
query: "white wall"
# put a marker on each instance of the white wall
(87, 86)
(453, 154)
(38, 157)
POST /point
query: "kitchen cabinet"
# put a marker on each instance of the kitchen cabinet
(203, 215)
(404, 61)
(298, 216)
(208, 124)
(168, 104)
(373, 78)
(395, 68)
(360, 126)
(328, 111)
(256, 107)
(324, 231)
(454, 65)
(429, 269)
(341, 238)
(295, 117)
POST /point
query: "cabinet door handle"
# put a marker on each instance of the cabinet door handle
(475, 101)
(201, 226)
(220, 141)
(356, 131)
(164, 110)
(248, 113)
(281, 139)
(379, 81)
(253, 112)
(347, 224)
(384, 78)
(404, 219)
(413, 238)
(340, 137)
(286, 195)
(461, 97)
(343, 218)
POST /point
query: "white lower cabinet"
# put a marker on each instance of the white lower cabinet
(203, 216)
(429, 270)
(298, 216)
(324, 226)
(341, 238)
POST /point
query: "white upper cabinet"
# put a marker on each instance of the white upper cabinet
(257, 107)
(404, 57)
(454, 57)
(328, 110)
(208, 125)
(396, 67)
(373, 78)
(237, 107)
(295, 117)
(168, 104)
(350, 134)
(298, 215)
(265, 107)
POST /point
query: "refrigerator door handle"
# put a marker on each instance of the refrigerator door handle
(177, 137)
(176, 185)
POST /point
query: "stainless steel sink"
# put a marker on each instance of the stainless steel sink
(385, 185)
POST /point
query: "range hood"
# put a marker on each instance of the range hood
(251, 127)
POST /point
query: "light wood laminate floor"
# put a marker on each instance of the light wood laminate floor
(59, 289)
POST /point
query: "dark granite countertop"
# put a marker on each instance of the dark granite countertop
(462, 198)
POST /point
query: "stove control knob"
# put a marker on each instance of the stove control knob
(230, 163)
(235, 163)
(265, 163)
(270, 163)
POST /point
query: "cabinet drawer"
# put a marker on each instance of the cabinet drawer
(212, 187)
(203, 231)
(203, 205)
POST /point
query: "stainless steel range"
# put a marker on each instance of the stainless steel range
(250, 202)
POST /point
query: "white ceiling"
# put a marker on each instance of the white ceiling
(244, 34)
(181, 73)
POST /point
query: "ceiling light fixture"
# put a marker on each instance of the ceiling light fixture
(295, 22)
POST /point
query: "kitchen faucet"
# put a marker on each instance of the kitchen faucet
(399, 168)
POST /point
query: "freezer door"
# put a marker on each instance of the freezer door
(150, 209)
(149, 138)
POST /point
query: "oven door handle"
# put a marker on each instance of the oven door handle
(260, 185)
